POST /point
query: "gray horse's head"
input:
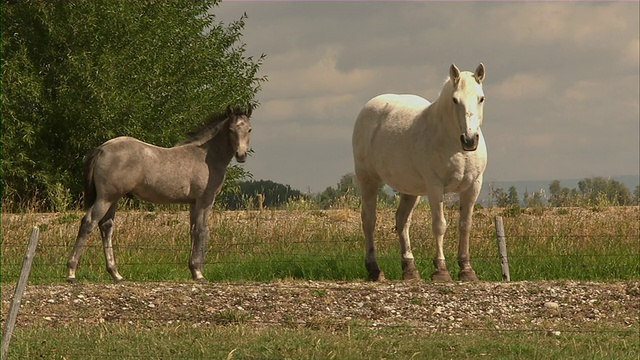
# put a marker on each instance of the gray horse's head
(239, 129)
(468, 101)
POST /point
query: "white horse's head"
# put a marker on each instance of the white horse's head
(467, 99)
(239, 129)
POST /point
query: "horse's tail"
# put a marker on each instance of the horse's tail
(90, 192)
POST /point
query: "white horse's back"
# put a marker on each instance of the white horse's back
(384, 141)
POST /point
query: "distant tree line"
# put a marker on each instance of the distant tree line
(273, 195)
(593, 191)
(252, 194)
(596, 191)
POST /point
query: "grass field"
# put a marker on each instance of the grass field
(271, 247)
(577, 244)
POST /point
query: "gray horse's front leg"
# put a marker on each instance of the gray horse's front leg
(199, 238)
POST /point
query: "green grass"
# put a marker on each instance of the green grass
(246, 341)
(575, 244)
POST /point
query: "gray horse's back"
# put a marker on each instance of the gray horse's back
(126, 165)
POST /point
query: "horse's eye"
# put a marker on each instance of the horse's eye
(455, 100)
(481, 100)
(250, 129)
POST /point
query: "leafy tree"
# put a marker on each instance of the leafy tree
(598, 190)
(560, 196)
(77, 73)
(533, 200)
(512, 197)
(500, 197)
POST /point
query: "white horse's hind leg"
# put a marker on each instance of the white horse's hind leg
(369, 191)
(403, 223)
(467, 200)
(106, 230)
(439, 225)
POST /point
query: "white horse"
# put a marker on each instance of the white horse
(419, 148)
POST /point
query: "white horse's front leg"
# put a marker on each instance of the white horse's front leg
(439, 225)
(403, 223)
(467, 200)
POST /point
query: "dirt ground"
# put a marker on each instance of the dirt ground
(559, 306)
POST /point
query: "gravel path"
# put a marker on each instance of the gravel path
(539, 306)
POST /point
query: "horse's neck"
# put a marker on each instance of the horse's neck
(219, 148)
(438, 122)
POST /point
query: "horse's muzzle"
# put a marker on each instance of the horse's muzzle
(241, 158)
(469, 143)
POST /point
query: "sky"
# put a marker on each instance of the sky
(561, 86)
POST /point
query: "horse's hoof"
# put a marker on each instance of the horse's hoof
(441, 275)
(467, 275)
(375, 274)
(409, 271)
(118, 280)
(71, 280)
(410, 274)
(200, 279)
(379, 276)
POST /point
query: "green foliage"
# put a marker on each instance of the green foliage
(75, 74)
(601, 191)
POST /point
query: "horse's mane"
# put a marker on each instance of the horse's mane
(213, 123)
(205, 132)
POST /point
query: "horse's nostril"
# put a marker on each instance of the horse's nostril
(469, 143)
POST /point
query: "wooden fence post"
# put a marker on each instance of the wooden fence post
(502, 247)
(10, 322)
(260, 202)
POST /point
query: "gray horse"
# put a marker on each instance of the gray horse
(191, 172)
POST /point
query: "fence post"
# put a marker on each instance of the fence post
(19, 291)
(502, 247)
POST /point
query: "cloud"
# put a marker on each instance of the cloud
(523, 87)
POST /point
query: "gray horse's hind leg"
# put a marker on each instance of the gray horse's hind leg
(403, 223)
(106, 230)
(368, 214)
(199, 238)
(89, 222)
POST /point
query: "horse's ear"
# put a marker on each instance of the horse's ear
(249, 110)
(454, 73)
(229, 110)
(480, 72)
